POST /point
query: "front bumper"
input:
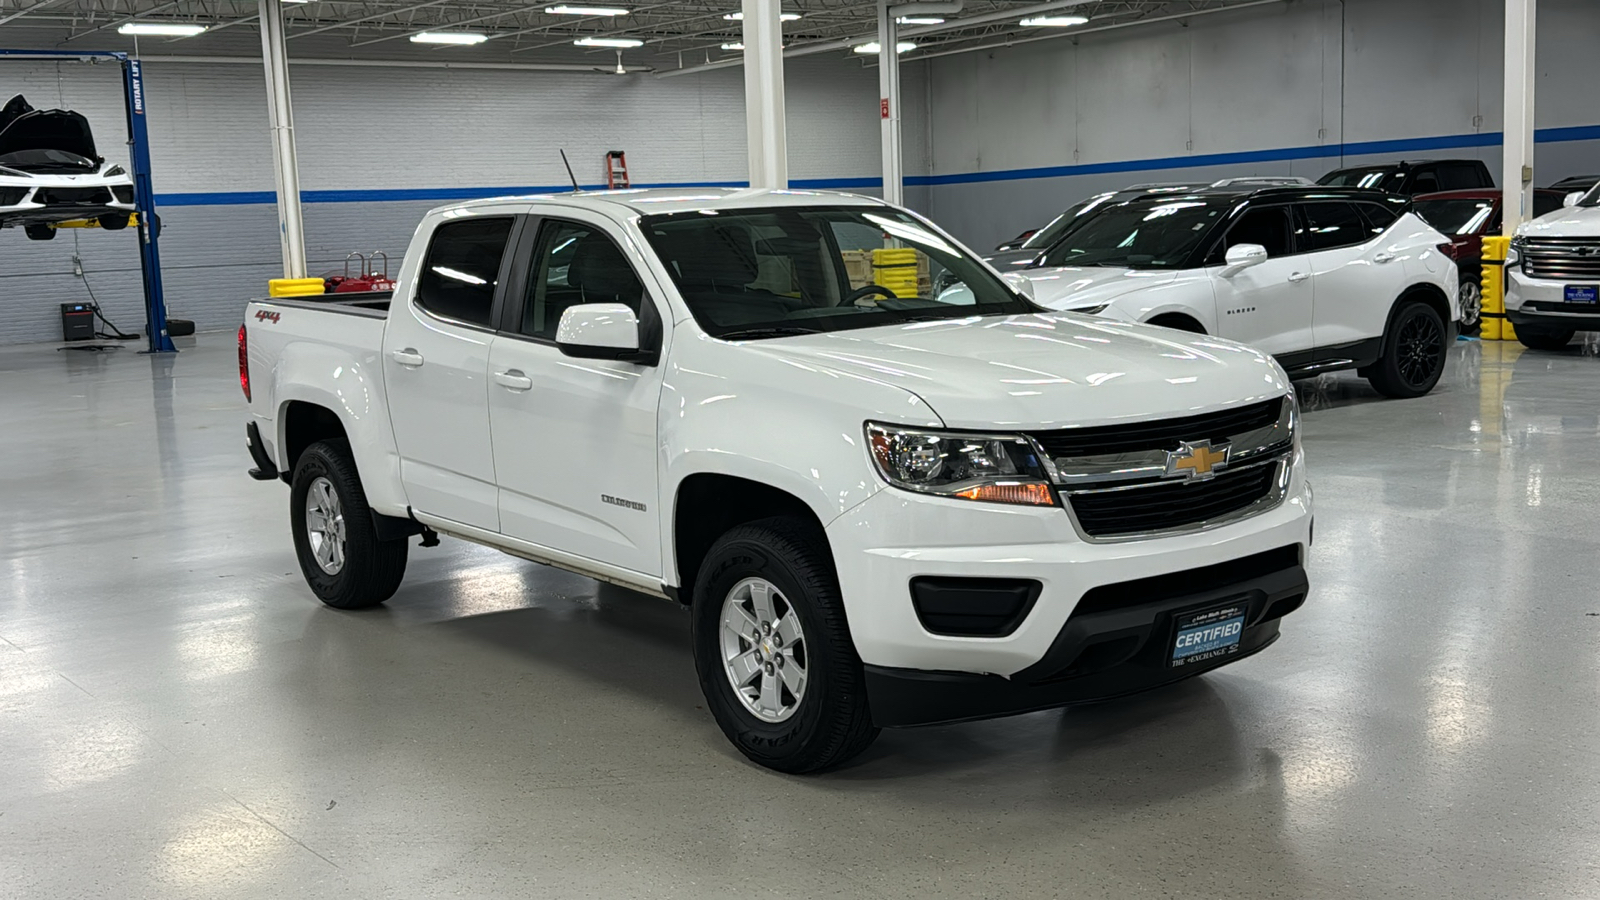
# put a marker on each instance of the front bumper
(1116, 648)
(1542, 302)
(895, 536)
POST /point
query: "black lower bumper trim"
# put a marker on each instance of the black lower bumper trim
(266, 469)
(1099, 655)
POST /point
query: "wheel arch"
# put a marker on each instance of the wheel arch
(1428, 293)
(706, 505)
(1177, 319)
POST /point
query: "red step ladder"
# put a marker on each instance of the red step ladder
(616, 169)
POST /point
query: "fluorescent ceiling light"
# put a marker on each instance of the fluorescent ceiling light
(618, 43)
(733, 46)
(170, 30)
(449, 37)
(872, 47)
(585, 11)
(782, 17)
(1054, 21)
(920, 20)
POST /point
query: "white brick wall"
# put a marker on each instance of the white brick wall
(384, 129)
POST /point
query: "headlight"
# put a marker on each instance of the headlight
(1089, 310)
(999, 468)
(115, 170)
(1514, 253)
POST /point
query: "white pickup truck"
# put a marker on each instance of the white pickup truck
(1553, 274)
(881, 508)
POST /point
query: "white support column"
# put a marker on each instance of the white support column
(889, 104)
(1517, 173)
(286, 168)
(763, 94)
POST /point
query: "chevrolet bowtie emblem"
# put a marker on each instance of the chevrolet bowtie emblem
(1197, 460)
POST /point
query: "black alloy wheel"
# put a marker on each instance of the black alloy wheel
(1420, 347)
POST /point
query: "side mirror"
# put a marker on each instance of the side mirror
(1020, 283)
(1572, 198)
(1242, 256)
(602, 331)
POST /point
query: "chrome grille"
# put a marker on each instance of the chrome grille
(1574, 258)
(1124, 482)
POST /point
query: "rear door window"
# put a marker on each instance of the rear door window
(1425, 181)
(1330, 225)
(1460, 176)
(461, 272)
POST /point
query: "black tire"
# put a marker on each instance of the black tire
(369, 570)
(39, 232)
(113, 222)
(179, 327)
(1536, 338)
(1414, 351)
(830, 722)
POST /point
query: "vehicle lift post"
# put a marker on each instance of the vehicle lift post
(133, 95)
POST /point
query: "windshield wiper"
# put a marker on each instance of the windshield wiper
(768, 332)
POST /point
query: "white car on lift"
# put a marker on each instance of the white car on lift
(1321, 278)
(1553, 274)
(50, 172)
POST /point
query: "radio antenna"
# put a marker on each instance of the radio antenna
(573, 178)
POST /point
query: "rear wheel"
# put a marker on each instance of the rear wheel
(39, 232)
(773, 650)
(1471, 299)
(1536, 338)
(1414, 352)
(113, 222)
(340, 555)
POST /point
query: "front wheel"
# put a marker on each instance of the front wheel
(1535, 338)
(113, 221)
(1414, 352)
(39, 232)
(340, 555)
(773, 650)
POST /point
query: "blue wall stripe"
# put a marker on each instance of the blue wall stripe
(1321, 151)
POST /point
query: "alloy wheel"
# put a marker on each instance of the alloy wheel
(1471, 299)
(764, 650)
(325, 525)
(1419, 349)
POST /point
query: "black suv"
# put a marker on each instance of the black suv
(1426, 176)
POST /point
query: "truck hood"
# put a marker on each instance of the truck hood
(1042, 371)
(1573, 221)
(1072, 287)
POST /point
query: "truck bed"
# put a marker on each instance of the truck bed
(374, 304)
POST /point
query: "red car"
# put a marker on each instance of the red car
(1466, 216)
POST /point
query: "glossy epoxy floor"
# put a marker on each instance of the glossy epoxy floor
(179, 717)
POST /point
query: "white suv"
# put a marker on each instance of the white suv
(1321, 278)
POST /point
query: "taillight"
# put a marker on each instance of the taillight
(244, 363)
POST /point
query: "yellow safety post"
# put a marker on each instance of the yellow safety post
(896, 269)
(296, 287)
(1495, 326)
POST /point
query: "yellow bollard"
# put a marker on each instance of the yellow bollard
(1495, 327)
(296, 287)
(896, 269)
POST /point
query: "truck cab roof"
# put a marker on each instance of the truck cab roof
(651, 201)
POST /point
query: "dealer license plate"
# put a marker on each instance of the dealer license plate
(1208, 635)
(1583, 293)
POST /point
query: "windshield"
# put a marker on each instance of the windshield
(772, 272)
(1058, 226)
(1140, 236)
(1381, 178)
(1592, 198)
(1455, 216)
(42, 160)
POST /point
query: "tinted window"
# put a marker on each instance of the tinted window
(1330, 225)
(770, 272)
(1424, 182)
(1141, 235)
(576, 264)
(461, 269)
(1267, 226)
(1381, 215)
(1456, 216)
(1378, 178)
(1460, 177)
